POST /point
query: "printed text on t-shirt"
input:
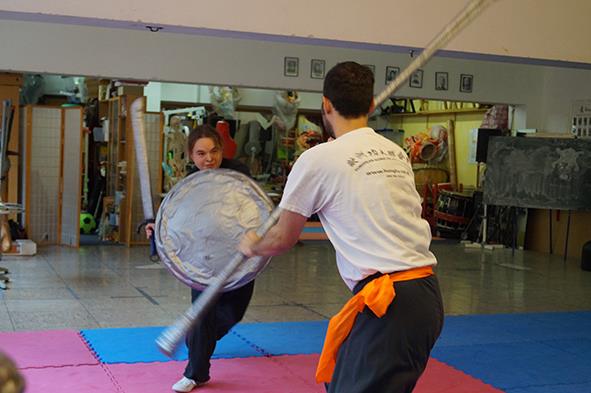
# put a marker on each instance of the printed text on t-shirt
(362, 158)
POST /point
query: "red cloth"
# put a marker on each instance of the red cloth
(223, 128)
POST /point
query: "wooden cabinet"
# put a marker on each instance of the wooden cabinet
(10, 85)
(125, 212)
(116, 170)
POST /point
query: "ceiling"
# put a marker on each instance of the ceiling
(546, 31)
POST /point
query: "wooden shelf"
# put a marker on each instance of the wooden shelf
(123, 179)
(444, 112)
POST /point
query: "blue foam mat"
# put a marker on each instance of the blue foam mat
(533, 352)
(506, 328)
(285, 338)
(569, 388)
(136, 345)
(519, 364)
(521, 353)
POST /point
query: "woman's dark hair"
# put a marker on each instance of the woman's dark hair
(203, 131)
(349, 87)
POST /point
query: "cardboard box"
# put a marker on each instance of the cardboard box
(130, 90)
(22, 247)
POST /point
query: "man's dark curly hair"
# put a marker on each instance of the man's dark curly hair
(349, 87)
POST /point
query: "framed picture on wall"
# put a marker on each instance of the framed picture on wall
(441, 81)
(317, 68)
(391, 73)
(416, 79)
(466, 83)
(291, 66)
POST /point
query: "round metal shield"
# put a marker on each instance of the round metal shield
(201, 221)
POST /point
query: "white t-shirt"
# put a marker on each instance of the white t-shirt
(362, 187)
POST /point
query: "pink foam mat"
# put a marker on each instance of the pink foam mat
(441, 378)
(51, 348)
(303, 366)
(438, 377)
(64, 357)
(290, 373)
(69, 379)
(260, 374)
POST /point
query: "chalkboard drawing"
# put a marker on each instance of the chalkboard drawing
(539, 173)
(567, 163)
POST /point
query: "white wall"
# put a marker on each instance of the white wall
(153, 92)
(561, 88)
(94, 51)
(549, 102)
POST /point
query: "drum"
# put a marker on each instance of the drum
(201, 221)
(429, 175)
(453, 212)
(427, 151)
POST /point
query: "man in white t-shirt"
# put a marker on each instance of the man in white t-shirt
(362, 187)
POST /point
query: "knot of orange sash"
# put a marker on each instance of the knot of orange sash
(377, 294)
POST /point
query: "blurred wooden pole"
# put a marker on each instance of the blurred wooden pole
(453, 176)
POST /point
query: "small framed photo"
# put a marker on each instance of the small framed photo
(466, 83)
(317, 68)
(291, 66)
(441, 81)
(371, 67)
(391, 73)
(416, 79)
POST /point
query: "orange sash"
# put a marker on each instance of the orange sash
(377, 294)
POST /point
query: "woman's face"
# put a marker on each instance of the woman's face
(206, 155)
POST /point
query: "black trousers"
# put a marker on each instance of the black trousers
(389, 354)
(201, 341)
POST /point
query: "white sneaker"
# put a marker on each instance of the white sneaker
(185, 385)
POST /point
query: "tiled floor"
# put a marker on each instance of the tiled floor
(115, 286)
